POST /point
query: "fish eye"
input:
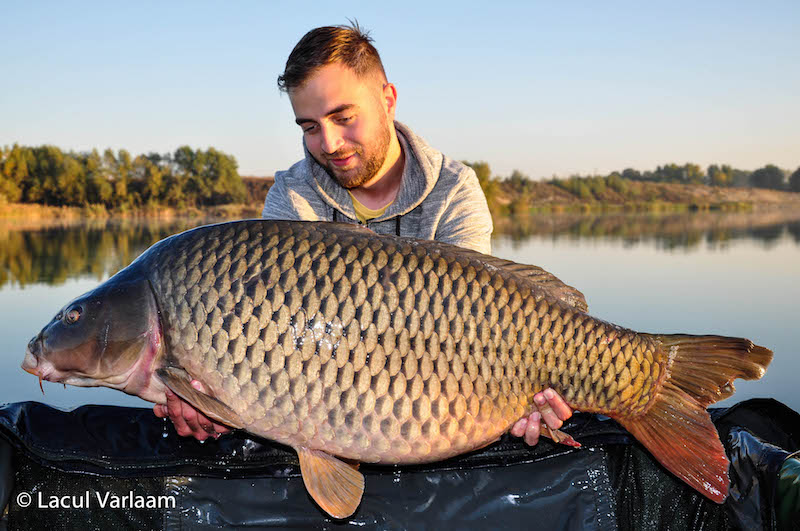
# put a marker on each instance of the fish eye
(73, 315)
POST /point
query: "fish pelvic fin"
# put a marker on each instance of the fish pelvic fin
(336, 486)
(676, 427)
(180, 382)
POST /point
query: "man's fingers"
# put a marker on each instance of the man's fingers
(559, 405)
(533, 428)
(518, 430)
(209, 425)
(175, 413)
(220, 429)
(548, 415)
(188, 421)
(200, 425)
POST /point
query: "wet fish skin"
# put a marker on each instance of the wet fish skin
(371, 348)
(388, 350)
(327, 337)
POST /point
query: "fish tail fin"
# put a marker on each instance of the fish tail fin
(706, 366)
(676, 428)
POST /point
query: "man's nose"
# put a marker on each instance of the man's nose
(331, 139)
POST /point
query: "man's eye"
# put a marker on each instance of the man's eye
(309, 129)
(345, 119)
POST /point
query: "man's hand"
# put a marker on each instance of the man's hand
(551, 408)
(187, 420)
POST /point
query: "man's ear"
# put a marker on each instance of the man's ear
(389, 99)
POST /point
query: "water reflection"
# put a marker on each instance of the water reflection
(668, 231)
(54, 252)
(57, 252)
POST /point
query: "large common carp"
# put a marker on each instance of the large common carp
(342, 343)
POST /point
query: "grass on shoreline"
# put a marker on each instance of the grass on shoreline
(640, 206)
(35, 212)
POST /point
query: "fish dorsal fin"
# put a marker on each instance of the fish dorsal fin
(544, 280)
(180, 382)
(335, 485)
(532, 277)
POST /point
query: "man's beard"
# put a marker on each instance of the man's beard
(372, 158)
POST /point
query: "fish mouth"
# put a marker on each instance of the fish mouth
(31, 364)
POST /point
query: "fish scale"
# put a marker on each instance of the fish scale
(340, 342)
(374, 350)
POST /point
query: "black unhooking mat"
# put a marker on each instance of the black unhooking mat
(105, 468)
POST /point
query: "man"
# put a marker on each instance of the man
(361, 166)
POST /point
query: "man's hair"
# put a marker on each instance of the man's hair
(348, 45)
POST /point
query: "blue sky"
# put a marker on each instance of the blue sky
(545, 88)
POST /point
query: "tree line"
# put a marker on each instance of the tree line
(47, 175)
(770, 176)
(520, 190)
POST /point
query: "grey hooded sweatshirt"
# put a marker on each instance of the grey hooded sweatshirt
(439, 198)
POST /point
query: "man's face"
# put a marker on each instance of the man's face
(345, 121)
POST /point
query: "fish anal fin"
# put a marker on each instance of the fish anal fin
(558, 436)
(336, 486)
(678, 432)
(179, 381)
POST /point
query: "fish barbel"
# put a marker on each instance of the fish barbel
(343, 343)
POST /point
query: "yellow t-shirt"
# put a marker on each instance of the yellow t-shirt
(363, 213)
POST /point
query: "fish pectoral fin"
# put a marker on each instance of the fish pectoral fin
(336, 486)
(179, 381)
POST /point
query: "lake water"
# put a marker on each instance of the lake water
(726, 274)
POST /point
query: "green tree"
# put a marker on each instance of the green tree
(740, 178)
(42, 187)
(146, 179)
(13, 172)
(70, 182)
(618, 183)
(597, 185)
(122, 168)
(672, 173)
(47, 175)
(692, 174)
(98, 185)
(631, 174)
(224, 182)
(720, 175)
(770, 176)
(794, 181)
